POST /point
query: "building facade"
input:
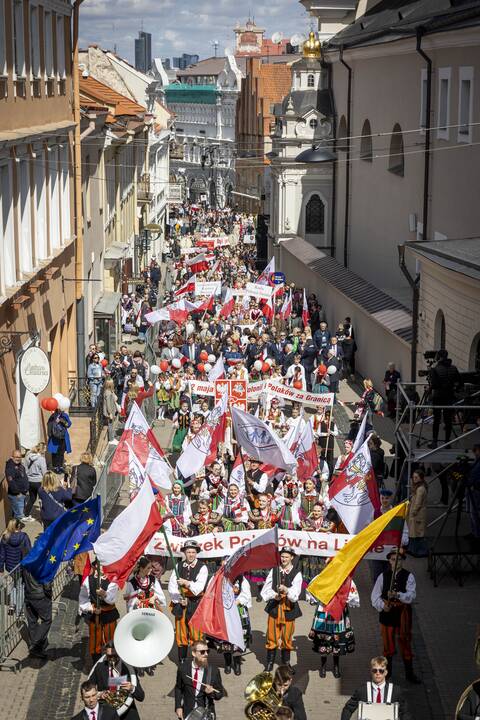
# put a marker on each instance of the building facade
(204, 104)
(264, 85)
(301, 195)
(37, 238)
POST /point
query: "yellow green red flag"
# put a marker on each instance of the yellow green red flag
(325, 586)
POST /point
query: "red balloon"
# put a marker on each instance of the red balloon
(297, 384)
(43, 403)
(104, 362)
(164, 365)
(265, 367)
(201, 367)
(51, 404)
(322, 369)
(204, 355)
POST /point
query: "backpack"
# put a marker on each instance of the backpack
(377, 402)
(58, 431)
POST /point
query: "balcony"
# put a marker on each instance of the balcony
(144, 193)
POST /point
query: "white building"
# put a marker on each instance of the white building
(204, 100)
(301, 194)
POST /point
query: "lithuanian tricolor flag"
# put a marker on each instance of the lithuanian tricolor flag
(387, 529)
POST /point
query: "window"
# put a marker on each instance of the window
(396, 161)
(443, 122)
(60, 47)
(366, 152)
(315, 216)
(465, 104)
(41, 251)
(342, 134)
(34, 49)
(54, 199)
(423, 99)
(18, 40)
(7, 246)
(65, 193)
(25, 219)
(439, 335)
(88, 198)
(313, 123)
(48, 44)
(3, 53)
(311, 81)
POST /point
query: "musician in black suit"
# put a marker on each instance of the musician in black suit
(113, 667)
(291, 695)
(93, 709)
(377, 691)
(198, 683)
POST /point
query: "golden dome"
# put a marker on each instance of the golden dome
(312, 47)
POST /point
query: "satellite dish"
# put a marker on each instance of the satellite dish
(277, 38)
(297, 39)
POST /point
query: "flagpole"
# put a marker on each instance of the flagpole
(170, 552)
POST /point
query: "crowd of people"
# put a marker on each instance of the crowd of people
(236, 335)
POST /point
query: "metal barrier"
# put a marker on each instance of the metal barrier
(12, 600)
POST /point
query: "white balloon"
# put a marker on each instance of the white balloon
(58, 397)
(155, 370)
(167, 385)
(208, 367)
(258, 365)
(63, 403)
(176, 363)
(211, 358)
(269, 361)
(331, 370)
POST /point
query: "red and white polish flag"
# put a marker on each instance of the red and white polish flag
(218, 370)
(267, 310)
(202, 449)
(305, 313)
(264, 277)
(306, 453)
(217, 613)
(286, 310)
(228, 304)
(354, 491)
(137, 436)
(119, 548)
(188, 287)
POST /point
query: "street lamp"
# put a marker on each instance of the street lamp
(317, 154)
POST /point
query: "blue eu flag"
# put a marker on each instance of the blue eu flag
(70, 534)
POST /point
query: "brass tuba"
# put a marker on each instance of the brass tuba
(262, 699)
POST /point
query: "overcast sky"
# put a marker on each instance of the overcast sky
(179, 26)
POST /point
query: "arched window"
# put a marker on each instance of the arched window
(474, 361)
(315, 216)
(439, 333)
(366, 152)
(396, 162)
(311, 81)
(342, 134)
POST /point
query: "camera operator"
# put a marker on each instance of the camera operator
(444, 379)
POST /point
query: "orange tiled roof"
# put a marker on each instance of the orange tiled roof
(117, 104)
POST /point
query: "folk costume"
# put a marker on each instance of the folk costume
(178, 506)
(185, 601)
(181, 421)
(332, 634)
(396, 622)
(234, 513)
(282, 609)
(101, 626)
(144, 593)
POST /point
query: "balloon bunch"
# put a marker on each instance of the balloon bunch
(57, 402)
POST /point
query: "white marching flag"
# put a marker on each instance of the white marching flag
(217, 371)
(259, 441)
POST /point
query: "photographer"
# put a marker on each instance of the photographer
(444, 379)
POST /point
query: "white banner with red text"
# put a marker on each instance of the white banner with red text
(222, 544)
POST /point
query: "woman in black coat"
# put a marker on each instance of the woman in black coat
(291, 696)
(84, 479)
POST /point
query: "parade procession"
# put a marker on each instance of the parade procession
(239, 360)
(253, 500)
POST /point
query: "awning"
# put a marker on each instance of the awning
(115, 252)
(107, 304)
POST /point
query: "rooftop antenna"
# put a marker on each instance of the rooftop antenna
(215, 46)
(114, 44)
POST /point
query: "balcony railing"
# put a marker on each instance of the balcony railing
(144, 193)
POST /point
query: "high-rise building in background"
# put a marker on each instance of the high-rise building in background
(184, 61)
(143, 51)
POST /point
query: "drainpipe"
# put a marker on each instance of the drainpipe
(426, 168)
(79, 308)
(333, 240)
(415, 285)
(347, 168)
